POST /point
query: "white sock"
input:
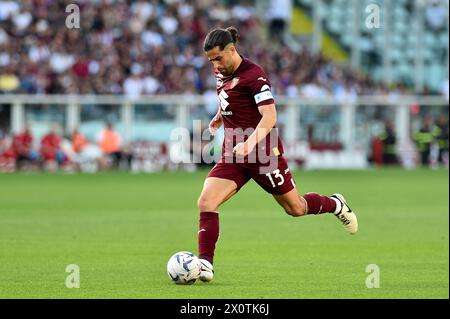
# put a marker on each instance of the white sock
(338, 205)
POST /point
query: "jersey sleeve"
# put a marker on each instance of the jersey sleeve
(261, 89)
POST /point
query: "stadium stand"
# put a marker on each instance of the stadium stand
(135, 47)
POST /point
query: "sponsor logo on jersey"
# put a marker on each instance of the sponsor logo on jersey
(223, 96)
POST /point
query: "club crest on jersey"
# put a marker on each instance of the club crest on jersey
(234, 82)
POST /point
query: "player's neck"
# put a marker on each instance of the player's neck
(237, 62)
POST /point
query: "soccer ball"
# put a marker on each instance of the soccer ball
(184, 268)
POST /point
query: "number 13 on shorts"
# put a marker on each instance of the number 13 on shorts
(277, 179)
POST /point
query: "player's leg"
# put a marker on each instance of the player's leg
(215, 192)
(280, 184)
(222, 183)
(292, 203)
(313, 204)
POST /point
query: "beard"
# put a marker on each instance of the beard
(226, 71)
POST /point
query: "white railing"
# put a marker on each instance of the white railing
(291, 107)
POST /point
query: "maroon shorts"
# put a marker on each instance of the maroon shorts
(276, 179)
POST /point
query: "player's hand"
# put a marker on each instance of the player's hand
(215, 123)
(242, 149)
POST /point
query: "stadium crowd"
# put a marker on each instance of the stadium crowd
(151, 47)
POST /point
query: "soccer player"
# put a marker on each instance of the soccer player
(246, 102)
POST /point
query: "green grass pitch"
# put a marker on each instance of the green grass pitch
(121, 229)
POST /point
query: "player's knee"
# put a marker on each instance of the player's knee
(206, 205)
(291, 212)
(295, 210)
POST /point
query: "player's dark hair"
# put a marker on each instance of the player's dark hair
(220, 38)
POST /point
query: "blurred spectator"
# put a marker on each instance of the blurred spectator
(78, 140)
(134, 85)
(8, 9)
(7, 156)
(280, 14)
(3, 39)
(51, 151)
(9, 82)
(389, 142)
(211, 100)
(313, 90)
(345, 92)
(84, 155)
(22, 19)
(424, 138)
(110, 143)
(23, 148)
(442, 136)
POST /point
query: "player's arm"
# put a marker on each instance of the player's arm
(215, 123)
(265, 125)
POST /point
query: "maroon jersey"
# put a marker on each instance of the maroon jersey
(240, 95)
